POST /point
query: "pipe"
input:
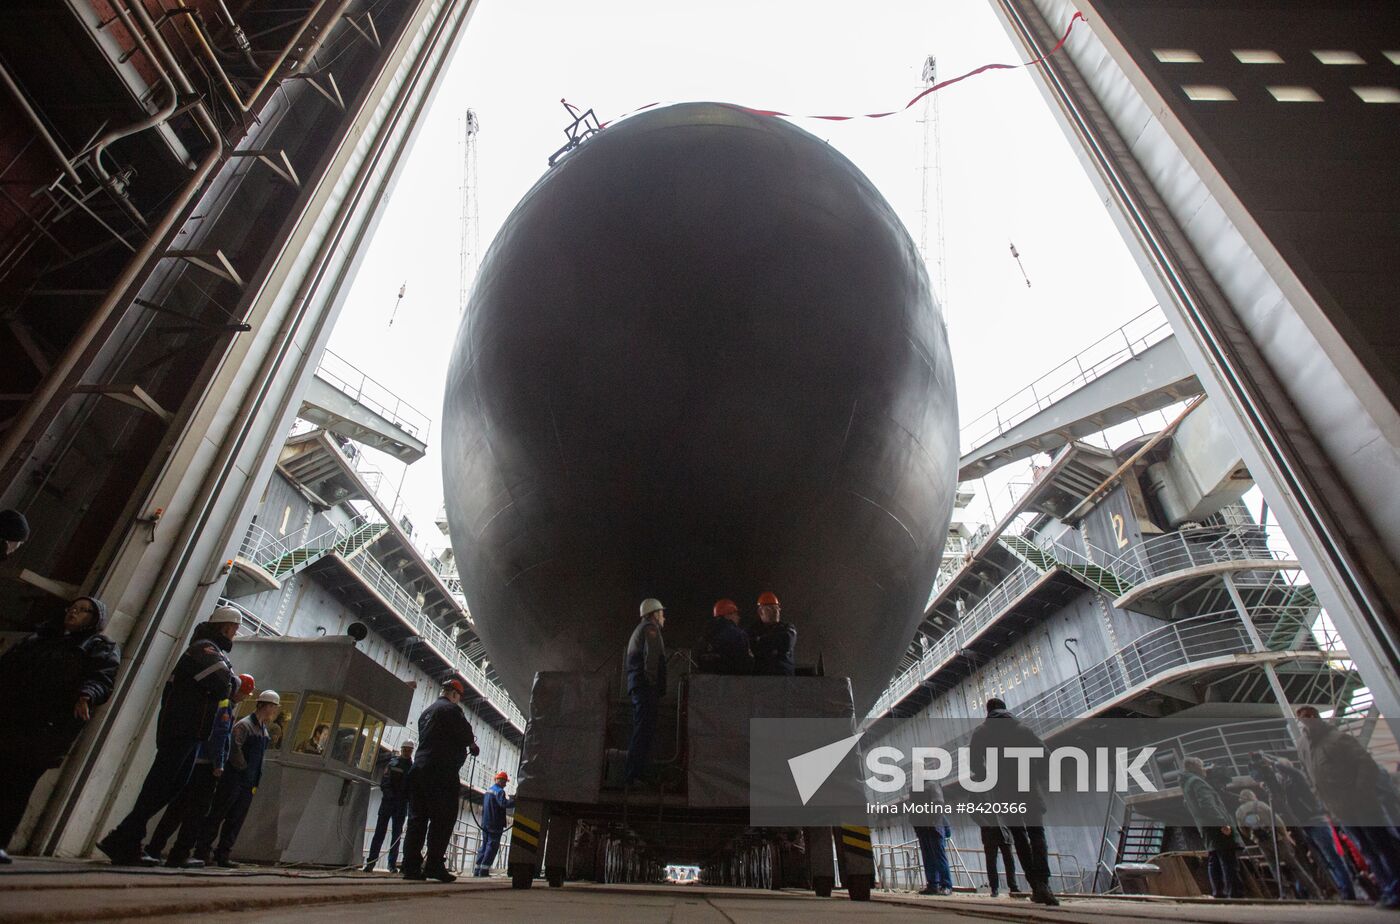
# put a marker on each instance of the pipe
(212, 57)
(43, 404)
(39, 126)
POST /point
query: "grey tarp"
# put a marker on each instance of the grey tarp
(563, 754)
(719, 710)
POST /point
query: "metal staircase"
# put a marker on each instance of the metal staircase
(1066, 559)
(345, 542)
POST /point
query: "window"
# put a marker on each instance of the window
(313, 731)
(367, 748)
(1257, 56)
(1295, 94)
(277, 728)
(1339, 57)
(286, 515)
(1392, 56)
(1202, 93)
(347, 733)
(1176, 56)
(1377, 94)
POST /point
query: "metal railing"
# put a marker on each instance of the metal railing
(899, 868)
(461, 847)
(1094, 361)
(342, 375)
(983, 613)
(434, 635)
(1193, 548)
(250, 623)
(261, 545)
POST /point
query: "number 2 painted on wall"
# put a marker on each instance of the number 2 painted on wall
(1117, 520)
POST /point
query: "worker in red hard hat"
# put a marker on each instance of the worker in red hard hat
(773, 641)
(444, 738)
(724, 647)
(186, 812)
(494, 805)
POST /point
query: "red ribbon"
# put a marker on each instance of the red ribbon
(907, 106)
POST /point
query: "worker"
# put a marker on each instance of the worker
(996, 843)
(187, 811)
(494, 805)
(774, 641)
(646, 684)
(932, 831)
(724, 647)
(393, 806)
(51, 683)
(1256, 820)
(202, 678)
(14, 532)
(1216, 827)
(444, 738)
(1000, 731)
(247, 745)
(316, 744)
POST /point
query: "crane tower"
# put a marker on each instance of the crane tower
(937, 261)
(471, 227)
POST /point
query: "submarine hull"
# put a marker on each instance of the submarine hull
(701, 360)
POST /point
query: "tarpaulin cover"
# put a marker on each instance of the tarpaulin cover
(564, 739)
(720, 708)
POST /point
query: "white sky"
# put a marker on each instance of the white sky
(1009, 174)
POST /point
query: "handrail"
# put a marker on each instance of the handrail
(1100, 357)
(1192, 548)
(345, 377)
(250, 623)
(435, 636)
(908, 875)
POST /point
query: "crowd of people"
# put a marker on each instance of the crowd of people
(725, 647)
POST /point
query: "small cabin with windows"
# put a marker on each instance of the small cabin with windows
(320, 771)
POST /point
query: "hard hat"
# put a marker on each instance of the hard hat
(502, 776)
(408, 744)
(452, 683)
(651, 605)
(726, 607)
(225, 614)
(246, 683)
(269, 696)
(768, 598)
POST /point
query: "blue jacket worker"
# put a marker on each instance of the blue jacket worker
(186, 813)
(247, 747)
(444, 738)
(203, 678)
(646, 684)
(393, 806)
(774, 641)
(494, 805)
(51, 683)
(724, 647)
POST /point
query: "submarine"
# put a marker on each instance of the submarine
(702, 359)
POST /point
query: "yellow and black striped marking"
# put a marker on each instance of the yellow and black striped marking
(856, 839)
(527, 830)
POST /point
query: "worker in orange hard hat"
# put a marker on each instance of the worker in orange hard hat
(773, 641)
(494, 805)
(724, 647)
(444, 738)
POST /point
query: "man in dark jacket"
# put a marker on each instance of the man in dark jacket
(187, 811)
(393, 807)
(246, 747)
(50, 685)
(1216, 826)
(444, 738)
(774, 641)
(1291, 792)
(1000, 731)
(724, 647)
(646, 684)
(203, 677)
(14, 532)
(494, 805)
(1351, 785)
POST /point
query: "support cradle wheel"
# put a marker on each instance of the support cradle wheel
(822, 885)
(521, 877)
(859, 887)
(555, 877)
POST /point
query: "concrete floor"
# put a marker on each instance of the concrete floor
(62, 890)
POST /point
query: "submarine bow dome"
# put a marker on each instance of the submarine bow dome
(701, 360)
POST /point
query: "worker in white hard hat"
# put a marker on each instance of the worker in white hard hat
(203, 678)
(393, 806)
(247, 745)
(646, 684)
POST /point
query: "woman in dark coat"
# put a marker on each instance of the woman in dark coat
(51, 683)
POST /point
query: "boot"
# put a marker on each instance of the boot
(413, 873)
(178, 859)
(369, 867)
(5, 858)
(440, 873)
(222, 861)
(124, 854)
(1040, 892)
